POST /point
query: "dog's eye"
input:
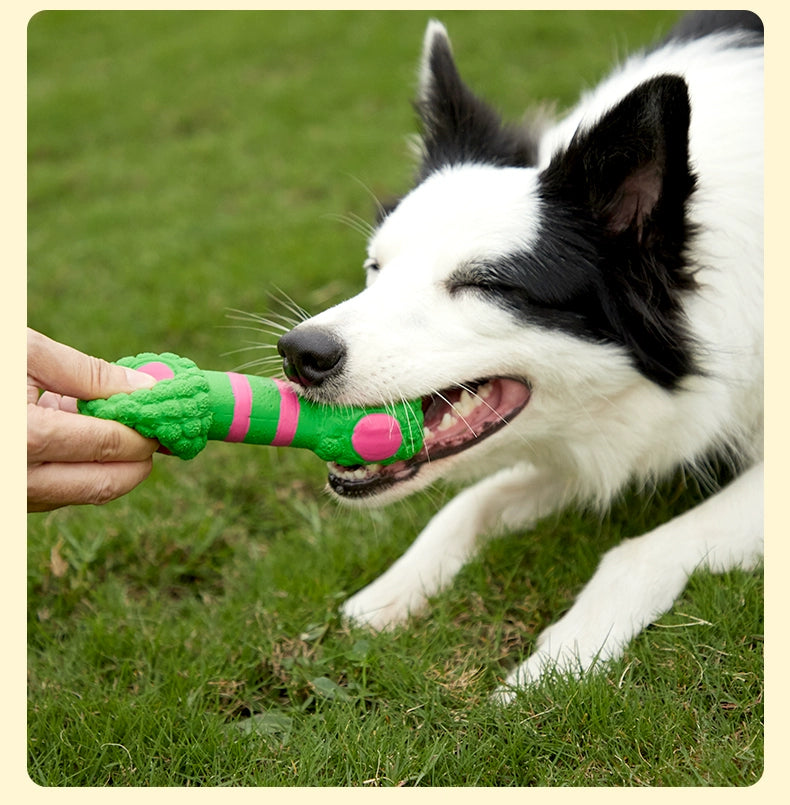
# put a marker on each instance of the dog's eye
(479, 287)
(476, 278)
(371, 264)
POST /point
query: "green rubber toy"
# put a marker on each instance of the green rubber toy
(189, 406)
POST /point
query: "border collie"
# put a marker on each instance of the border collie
(579, 304)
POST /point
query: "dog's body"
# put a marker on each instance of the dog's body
(597, 286)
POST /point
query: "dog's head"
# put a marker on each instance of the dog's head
(513, 291)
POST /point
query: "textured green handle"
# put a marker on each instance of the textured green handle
(189, 406)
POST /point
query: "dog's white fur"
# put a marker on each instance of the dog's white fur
(594, 423)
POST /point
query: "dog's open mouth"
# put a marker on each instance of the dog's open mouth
(454, 420)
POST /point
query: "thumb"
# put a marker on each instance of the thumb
(61, 369)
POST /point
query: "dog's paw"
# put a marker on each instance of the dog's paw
(563, 660)
(634, 584)
(382, 606)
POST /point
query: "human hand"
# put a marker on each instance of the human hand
(73, 458)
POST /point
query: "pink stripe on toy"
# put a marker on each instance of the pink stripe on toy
(158, 370)
(377, 437)
(242, 407)
(289, 415)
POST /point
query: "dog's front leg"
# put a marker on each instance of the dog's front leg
(640, 579)
(512, 497)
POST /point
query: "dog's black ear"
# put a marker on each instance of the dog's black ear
(457, 126)
(623, 184)
(631, 169)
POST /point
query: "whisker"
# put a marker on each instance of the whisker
(276, 326)
(281, 318)
(411, 417)
(255, 318)
(282, 298)
(470, 428)
(249, 348)
(488, 405)
(277, 333)
(270, 326)
(268, 362)
(353, 221)
(242, 315)
(261, 331)
(523, 439)
(363, 225)
(379, 206)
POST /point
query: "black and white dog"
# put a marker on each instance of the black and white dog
(580, 307)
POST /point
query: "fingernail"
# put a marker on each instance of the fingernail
(139, 380)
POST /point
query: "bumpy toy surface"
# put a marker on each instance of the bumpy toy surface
(176, 411)
(189, 406)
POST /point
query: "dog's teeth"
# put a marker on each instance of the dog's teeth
(358, 474)
(448, 420)
(427, 433)
(466, 404)
(485, 391)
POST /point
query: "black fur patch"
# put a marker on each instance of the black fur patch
(609, 263)
(458, 127)
(697, 24)
(627, 181)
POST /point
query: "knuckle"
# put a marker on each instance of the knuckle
(109, 445)
(35, 446)
(99, 374)
(38, 498)
(116, 480)
(104, 489)
(35, 348)
(143, 469)
(40, 432)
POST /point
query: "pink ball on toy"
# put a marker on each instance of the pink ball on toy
(157, 370)
(377, 437)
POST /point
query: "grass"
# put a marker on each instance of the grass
(182, 164)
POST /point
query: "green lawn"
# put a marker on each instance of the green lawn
(185, 164)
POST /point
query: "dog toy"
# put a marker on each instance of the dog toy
(189, 406)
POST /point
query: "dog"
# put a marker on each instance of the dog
(579, 305)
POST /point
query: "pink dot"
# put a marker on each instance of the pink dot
(376, 437)
(158, 370)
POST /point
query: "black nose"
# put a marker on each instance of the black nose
(311, 355)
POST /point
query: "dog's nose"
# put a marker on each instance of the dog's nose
(311, 355)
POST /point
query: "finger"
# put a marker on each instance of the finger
(54, 435)
(58, 401)
(56, 367)
(50, 486)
